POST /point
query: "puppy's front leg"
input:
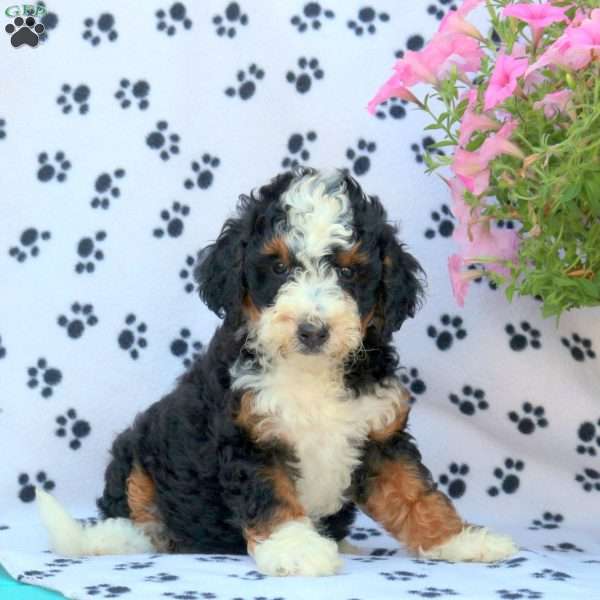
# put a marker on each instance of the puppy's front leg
(397, 490)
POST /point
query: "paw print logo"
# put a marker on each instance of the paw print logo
(580, 348)
(225, 24)
(437, 10)
(443, 223)
(104, 590)
(106, 188)
(402, 575)
(173, 223)
(186, 349)
(79, 428)
(394, 108)
(589, 434)
(82, 315)
(127, 94)
(524, 593)
(312, 17)
(551, 574)
(520, 340)
(89, 253)
(177, 16)
(202, 172)
(24, 32)
(161, 578)
(359, 156)
(366, 21)
(364, 533)
(426, 147)
(27, 489)
(103, 26)
(563, 547)
(297, 146)
(309, 70)
(433, 592)
(416, 386)
(452, 328)
(533, 417)
(471, 400)
(28, 244)
(589, 479)
(246, 83)
(414, 42)
(163, 142)
(548, 521)
(508, 478)
(186, 274)
(2, 129)
(77, 97)
(43, 377)
(53, 169)
(131, 339)
(454, 481)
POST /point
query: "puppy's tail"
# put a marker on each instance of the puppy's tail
(71, 538)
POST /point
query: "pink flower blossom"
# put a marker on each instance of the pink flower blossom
(473, 121)
(503, 81)
(500, 143)
(392, 88)
(460, 283)
(454, 22)
(554, 103)
(479, 242)
(448, 50)
(460, 209)
(537, 16)
(467, 6)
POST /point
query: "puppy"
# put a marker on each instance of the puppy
(294, 415)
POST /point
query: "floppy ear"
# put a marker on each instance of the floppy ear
(401, 289)
(219, 272)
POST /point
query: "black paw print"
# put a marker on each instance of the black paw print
(77, 97)
(416, 386)
(192, 594)
(138, 92)
(28, 244)
(202, 172)
(104, 26)
(104, 590)
(519, 341)
(303, 81)
(161, 578)
(219, 558)
(589, 479)
(473, 399)
(132, 337)
(174, 225)
(563, 547)
(50, 377)
(425, 148)
(48, 171)
(49, 21)
(2, 349)
(509, 482)
(520, 593)
(247, 86)
(159, 138)
(88, 251)
(366, 21)
(225, 24)
(548, 521)
(298, 149)
(183, 347)
(105, 186)
(41, 575)
(439, 10)
(186, 274)
(250, 576)
(402, 575)
(2, 129)
(79, 428)
(392, 108)
(445, 338)
(177, 15)
(27, 491)
(433, 592)
(24, 31)
(480, 267)
(361, 163)
(580, 348)
(414, 43)
(312, 17)
(511, 563)
(133, 565)
(534, 417)
(551, 574)
(83, 314)
(443, 223)
(453, 480)
(589, 434)
(363, 533)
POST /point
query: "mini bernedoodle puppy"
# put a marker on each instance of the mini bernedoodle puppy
(294, 415)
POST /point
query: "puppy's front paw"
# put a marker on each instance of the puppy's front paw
(296, 548)
(475, 544)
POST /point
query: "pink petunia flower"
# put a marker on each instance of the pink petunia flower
(460, 209)
(472, 170)
(392, 88)
(479, 242)
(448, 50)
(499, 143)
(537, 16)
(554, 103)
(467, 6)
(458, 278)
(454, 22)
(503, 81)
(473, 121)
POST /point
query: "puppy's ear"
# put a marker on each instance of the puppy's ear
(219, 271)
(401, 289)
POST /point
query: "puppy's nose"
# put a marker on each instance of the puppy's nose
(312, 337)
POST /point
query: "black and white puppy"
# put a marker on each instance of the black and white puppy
(294, 415)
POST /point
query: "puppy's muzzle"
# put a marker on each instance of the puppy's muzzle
(312, 337)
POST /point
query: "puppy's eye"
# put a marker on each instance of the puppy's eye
(280, 268)
(346, 273)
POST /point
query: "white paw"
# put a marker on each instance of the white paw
(473, 544)
(296, 548)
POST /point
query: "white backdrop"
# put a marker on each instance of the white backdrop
(104, 204)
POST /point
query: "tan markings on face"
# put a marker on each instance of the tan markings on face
(250, 309)
(398, 424)
(352, 257)
(410, 508)
(366, 321)
(387, 262)
(140, 497)
(288, 509)
(277, 247)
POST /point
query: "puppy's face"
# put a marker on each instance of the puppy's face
(312, 266)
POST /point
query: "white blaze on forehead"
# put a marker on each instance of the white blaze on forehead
(319, 215)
